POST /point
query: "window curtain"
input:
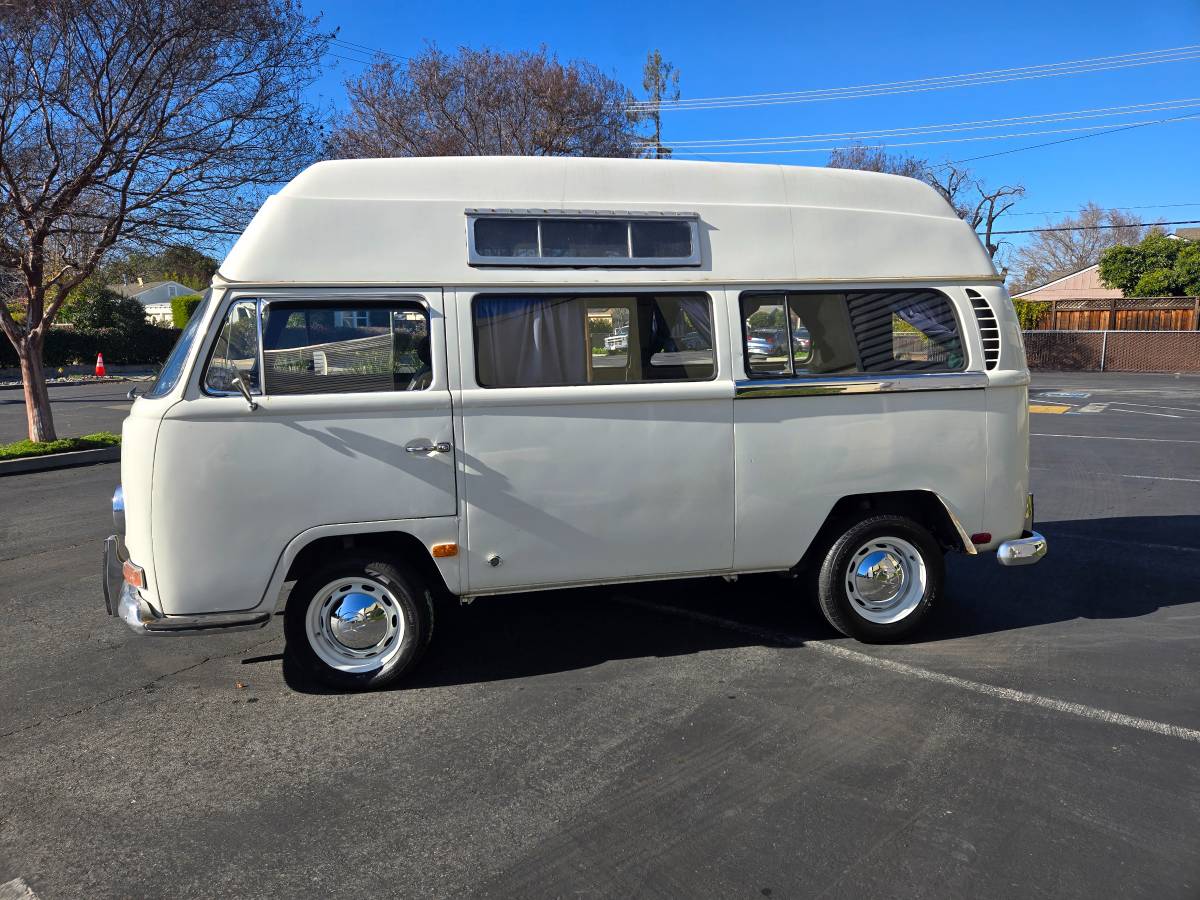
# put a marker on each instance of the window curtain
(530, 341)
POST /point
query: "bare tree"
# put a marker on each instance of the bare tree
(660, 80)
(977, 203)
(135, 123)
(484, 103)
(1052, 254)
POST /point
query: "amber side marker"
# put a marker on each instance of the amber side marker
(443, 550)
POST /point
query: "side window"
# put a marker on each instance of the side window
(906, 331)
(346, 347)
(546, 340)
(236, 350)
(847, 333)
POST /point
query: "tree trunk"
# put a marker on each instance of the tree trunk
(37, 398)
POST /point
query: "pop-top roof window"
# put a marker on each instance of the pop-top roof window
(581, 238)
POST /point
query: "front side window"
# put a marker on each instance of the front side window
(346, 347)
(551, 340)
(236, 351)
(845, 333)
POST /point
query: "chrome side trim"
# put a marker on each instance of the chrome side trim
(1022, 551)
(968, 545)
(899, 383)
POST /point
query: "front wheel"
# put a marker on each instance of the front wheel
(358, 623)
(880, 579)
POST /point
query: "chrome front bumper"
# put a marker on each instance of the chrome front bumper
(1022, 551)
(122, 599)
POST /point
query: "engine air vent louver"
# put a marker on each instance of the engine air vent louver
(989, 329)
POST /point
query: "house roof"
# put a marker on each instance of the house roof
(1188, 234)
(135, 290)
(1040, 287)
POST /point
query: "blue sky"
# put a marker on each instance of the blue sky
(723, 48)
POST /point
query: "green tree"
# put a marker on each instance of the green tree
(660, 79)
(94, 306)
(1159, 266)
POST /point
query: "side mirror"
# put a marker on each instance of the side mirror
(239, 382)
(132, 393)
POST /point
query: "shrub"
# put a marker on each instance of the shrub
(94, 306)
(182, 308)
(74, 346)
(1030, 313)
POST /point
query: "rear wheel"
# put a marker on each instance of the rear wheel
(880, 578)
(358, 623)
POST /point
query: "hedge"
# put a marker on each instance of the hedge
(66, 347)
(182, 308)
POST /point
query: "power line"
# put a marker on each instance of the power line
(1035, 119)
(1063, 212)
(959, 140)
(942, 82)
(1097, 227)
(1081, 137)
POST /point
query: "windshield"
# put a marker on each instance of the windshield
(168, 376)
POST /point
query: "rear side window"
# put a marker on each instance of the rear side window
(844, 333)
(547, 340)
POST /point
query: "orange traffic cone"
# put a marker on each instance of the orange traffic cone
(100, 364)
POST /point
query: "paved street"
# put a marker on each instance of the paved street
(78, 409)
(696, 739)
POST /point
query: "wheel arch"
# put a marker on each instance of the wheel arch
(924, 506)
(393, 544)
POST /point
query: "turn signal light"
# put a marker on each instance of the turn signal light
(134, 575)
(443, 550)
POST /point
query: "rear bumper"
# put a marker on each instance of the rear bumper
(122, 599)
(1022, 551)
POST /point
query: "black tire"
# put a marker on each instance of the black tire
(834, 592)
(413, 601)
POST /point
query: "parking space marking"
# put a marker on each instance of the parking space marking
(1142, 412)
(779, 638)
(1124, 475)
(1156, 406)
(1047, 408)
(1093, 408)
(1108, 437)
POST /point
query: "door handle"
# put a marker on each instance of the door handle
(439, 447)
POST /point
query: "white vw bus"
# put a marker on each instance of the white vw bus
(478, 376)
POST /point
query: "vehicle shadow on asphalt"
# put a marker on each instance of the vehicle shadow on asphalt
(1113, 568)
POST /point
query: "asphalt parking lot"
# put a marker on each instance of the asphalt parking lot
(696, 739)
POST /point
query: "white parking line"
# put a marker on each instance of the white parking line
(1106, 437)
(1123, 475)
(1155, 406)
(1081, 710)
(1142, 412)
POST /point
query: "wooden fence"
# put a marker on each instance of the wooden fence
(1133, 314)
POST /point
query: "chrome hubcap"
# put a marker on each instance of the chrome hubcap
(879, 578)
(355, 624)
(358, 621)
(886, 580)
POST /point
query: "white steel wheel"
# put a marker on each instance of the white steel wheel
(885, 579)
(355, 625)
(880, 577)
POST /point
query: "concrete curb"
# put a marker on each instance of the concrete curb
(59, 461)
(110, 379)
